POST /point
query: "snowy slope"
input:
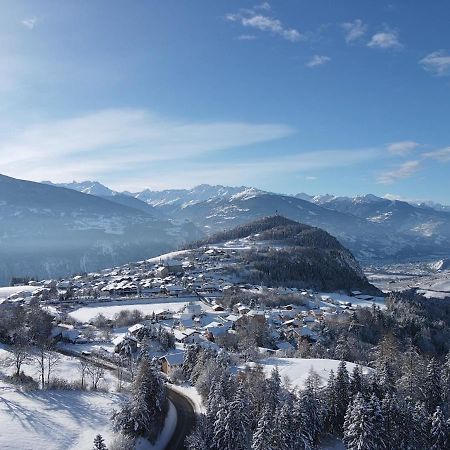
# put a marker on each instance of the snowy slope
(48, 231)
(54, 420)
(296, 370)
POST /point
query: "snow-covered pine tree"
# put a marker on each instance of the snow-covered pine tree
(421, 425)
(273, 390)
(331, 405)
(386, 377)
(220, 428)
(99, 443)
(235, 433)
(356, 381)
(263, 435)
(410, 380)
(439, 435)
(200, 438)
(285, 434)
(342, 388)
(432, 389)
(363, 425)
(311, 413)
(397, 422)
(144, 413)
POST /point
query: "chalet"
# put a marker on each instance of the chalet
(171, 361)
(125, 344)
(134, 329)
(65, 332)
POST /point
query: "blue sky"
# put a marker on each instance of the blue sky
(345, 97)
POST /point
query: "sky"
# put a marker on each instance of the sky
(318, 96)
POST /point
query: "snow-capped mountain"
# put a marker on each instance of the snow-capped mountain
(188, 197)
(86, 187)
(372, 227)
(48, 231)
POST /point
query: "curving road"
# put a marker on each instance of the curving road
(185, 419)
(185, 409)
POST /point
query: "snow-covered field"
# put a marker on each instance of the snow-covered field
(66, 368)
(10, 290)
(342, 299)
(54, 420)
(296, 370)
(147, 307)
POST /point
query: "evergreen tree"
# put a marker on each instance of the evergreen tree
(356, 381)
(331, 405)
(263, 436)
(396, 423)
(200, 438)
(220, 436)
(421, 425)
(363, 425)
(285, 431)
(439, 439)
(412, 369)
(386, 377)
(235, 431)
(99, 443)
(273, 390)
(432, 386)
(311, 414)
(144, 414)
(342, 388)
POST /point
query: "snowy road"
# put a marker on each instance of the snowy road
(185, 420)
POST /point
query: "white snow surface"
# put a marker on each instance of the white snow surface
(5, 292)
(296, 370)
(147, 307)
(54, 420)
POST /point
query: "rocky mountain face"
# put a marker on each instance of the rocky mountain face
(49, 231)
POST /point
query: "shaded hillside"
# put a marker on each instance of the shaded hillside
(48, 231)
(286, 253)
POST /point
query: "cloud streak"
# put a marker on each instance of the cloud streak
(126, 136)
(401, 172)
(254, 19)
(402, 148)
(354, 30)
(385, 40)
(317, 61)
(442, 155)
(133, 148)
(29, 23)
(437, 62)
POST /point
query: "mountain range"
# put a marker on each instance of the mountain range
(51, 229)
(372, 227)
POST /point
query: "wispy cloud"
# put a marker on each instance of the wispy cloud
(110, 139)
(437, 62)
(442, 155)
(318, 60)
(252, 18)
(29, 23)
(354, 30)
(385, 40)
(401, 172)
(246, 37)
(264, 6)
(402, 148)
(247, 172)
